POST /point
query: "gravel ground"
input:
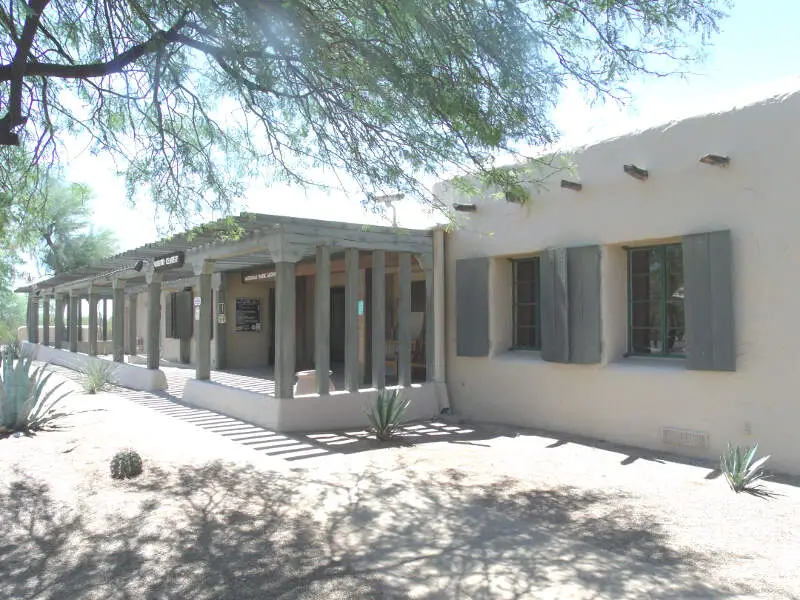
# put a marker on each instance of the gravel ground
(227, 510)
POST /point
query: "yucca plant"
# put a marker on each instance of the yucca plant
(98, 376)
(386, 413)
(25, 405)
(740, 470)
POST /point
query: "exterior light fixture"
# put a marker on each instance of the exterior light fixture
(571, 185)
(636, 172)
(715, 160)
(139, 266)
(465, 207)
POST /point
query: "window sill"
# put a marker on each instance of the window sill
(519, 355)
(651, 363)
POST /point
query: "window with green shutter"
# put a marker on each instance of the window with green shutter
(527, 332)
(656, 320)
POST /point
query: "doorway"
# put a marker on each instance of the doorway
(337, 324)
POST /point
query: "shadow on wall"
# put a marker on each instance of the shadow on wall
(222, 531)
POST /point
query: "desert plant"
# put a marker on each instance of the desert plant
(25, 405)
(12, 350)
(742, 474)
(386, 413)
(98, 376)
(126, 464)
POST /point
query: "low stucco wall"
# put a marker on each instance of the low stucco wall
(340, 410)
(125, 375)
(103, 346)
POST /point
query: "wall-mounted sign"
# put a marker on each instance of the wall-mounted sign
(221, 308)
(196, 313)
(248, 314)
(221, 319)
(256, 276)
(360, 308)
(197, 301)
(169, 261)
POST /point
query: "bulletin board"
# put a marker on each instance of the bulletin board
(248, 314)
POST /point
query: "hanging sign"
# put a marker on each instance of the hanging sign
(256, 276)
(169, 261)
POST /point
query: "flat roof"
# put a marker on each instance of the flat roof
(210, 237)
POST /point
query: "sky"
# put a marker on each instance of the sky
(756, 54)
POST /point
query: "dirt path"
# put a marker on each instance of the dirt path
(478, 515)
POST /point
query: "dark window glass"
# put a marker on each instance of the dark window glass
(655, 301)
(526, 303)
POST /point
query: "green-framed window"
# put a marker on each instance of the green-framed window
(527, 333)
(656, 321)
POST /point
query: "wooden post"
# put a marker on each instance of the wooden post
(118, 320)
(439, 306)
(132, 328)
(351, 366)
(322, 320)
(73, 322)
(404, 320)
(153, 320)
(202, 322)
(58, 336)
(379, 319)
(46, 320)
(93, 303)
(284, 329)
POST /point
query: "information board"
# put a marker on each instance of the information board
(248, 314)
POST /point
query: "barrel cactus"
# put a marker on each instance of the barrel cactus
(126, 464)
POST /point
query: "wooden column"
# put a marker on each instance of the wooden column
(202, 322)
(58, 334)
(132, 328)
(221, 334)
(105, 319)
(33, 328)
(404, 320)
(379, 319)
(73, 323)
(351, 366)
(322, 320)
(46, 320)
(93, 302)
(153, 320)
(284, 329)
(439, 369)
(118, 320)
(430, 319)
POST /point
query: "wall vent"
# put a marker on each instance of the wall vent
(685, 438)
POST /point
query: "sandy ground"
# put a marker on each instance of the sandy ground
(227, 510)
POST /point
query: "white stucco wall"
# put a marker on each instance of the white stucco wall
(629, 400)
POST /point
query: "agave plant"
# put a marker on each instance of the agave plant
(98, 375)
(25, 404)
(386, 413)
(742, 473)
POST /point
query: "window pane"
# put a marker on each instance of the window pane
(676, 328)
(525, 292)
(646, 340)
(525, 315)
(646, 314)
(640, 261)
(645, 287)
(674, 272)
(526, 270)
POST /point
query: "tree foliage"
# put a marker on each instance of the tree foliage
(194, 96)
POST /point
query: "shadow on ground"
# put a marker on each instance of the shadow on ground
(232, 532)
(288, 446)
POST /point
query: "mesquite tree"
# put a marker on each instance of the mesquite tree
(194, 96)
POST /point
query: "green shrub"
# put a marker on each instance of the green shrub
(386, 414)
(126, 464)
(25, 405)
(742, 474)
(98, 376)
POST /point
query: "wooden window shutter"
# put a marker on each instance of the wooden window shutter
(184, 315)
(554, 305)
(584, 308)
(708, 301)
(472, 307)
